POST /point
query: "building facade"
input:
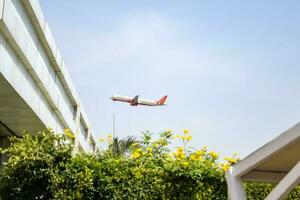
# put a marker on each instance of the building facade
(36, 91)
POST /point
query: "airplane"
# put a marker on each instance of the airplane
(135, 101)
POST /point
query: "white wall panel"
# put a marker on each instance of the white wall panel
(24, 19)
(37, 74)
(37, 9)
(26, 44)
(1, 8)
(83, 137)
(50, 39)
(59, 128)
(24, 84)
(31, 88)
(6, 63)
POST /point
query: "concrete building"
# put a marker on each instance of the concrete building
(277, 162)
(36, 90)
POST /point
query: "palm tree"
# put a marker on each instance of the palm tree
(120, 147)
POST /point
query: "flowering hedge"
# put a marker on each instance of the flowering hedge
(44, 166)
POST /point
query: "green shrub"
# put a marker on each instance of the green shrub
(32, 165)
(44, 166)
(258, 191)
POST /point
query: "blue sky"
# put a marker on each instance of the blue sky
(230, 68)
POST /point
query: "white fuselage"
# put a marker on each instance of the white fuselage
(140, 101)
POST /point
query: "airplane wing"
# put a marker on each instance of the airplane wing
(135, 101)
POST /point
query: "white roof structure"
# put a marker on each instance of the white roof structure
(36, 90)
(276, 161)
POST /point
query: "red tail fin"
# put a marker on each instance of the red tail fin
(162, 100)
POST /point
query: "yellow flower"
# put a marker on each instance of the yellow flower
(69, 134)
(101, 139)
(139, 150)
(197, 155)
(230, 160)
(213, 155)
(188, 137)
(179, 154)
(185, 131)
(180, 149)
(193, 157)
(199, 152)
(225, 167)
(185, 164)
(135, 144)
(149, 151)
(136, 154)
(109, 138)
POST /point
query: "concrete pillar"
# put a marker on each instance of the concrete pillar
(89, 139)
(77, 130)
(235, 186)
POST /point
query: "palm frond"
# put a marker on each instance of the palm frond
(120, 147)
